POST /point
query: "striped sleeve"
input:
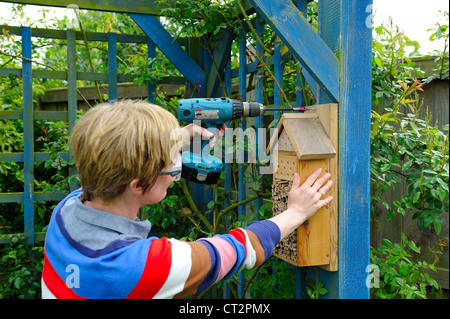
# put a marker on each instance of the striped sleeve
(219, 257)
(154, 267)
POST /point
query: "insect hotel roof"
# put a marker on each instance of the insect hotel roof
(302, 134)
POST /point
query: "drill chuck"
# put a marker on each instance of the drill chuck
(247, 109)
(252, 109)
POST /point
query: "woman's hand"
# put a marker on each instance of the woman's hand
(303, 201)
(190, 130)
(306, 199)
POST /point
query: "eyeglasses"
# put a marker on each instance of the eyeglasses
(175, 171)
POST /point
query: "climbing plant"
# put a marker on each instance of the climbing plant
(407, 150)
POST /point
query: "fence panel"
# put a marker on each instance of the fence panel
(28, 157)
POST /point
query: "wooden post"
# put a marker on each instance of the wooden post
(354, 148)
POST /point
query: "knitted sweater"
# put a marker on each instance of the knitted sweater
(94, 254)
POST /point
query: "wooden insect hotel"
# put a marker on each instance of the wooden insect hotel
(304, 142)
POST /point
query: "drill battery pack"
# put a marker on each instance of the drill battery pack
(202, 170)
(191, 174)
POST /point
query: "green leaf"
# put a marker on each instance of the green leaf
(387, 242)
(404, 269)
(416, 197)
(211, 204)
(378, 62)
(18, 282)
(407, 166)
(400, 281)
(379, 94)
(437, 226)
(442, 183)
(413, 246)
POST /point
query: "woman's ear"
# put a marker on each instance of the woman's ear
(136, 187)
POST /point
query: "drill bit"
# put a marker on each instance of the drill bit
(289, 109)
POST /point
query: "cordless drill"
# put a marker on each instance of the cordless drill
(199, 165)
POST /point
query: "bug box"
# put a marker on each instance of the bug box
(302, 143)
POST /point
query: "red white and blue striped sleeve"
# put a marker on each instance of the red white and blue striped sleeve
(217, 258)
(153, 267)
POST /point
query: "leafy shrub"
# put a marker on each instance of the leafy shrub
(410, 152)
(404, 273)
(407, 150)
(20, 274)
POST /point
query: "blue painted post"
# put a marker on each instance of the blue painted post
(302, 6)
(354, 148)
(300, 283)
(71, 79)
(329, 15)
(259, 97)
(71, 93)
(278, 73)
(28, 137)
(112, 66)
(151, 54)
(243, 95)
(227, 168)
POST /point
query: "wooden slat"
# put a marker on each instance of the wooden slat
(17, 197)
(132, 6)
(7, 239)
(112, 66)
(38, 156)
(37, 115)
(153, 7)
(28, 137)
(61, 34)
(328, 115)
(313, 237)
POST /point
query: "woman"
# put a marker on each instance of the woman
(127, 155)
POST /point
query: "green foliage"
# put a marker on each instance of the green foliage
(441, 66)
(406, 151)
(390, 65)
(197, 18)
(404, 274)
(20, 274)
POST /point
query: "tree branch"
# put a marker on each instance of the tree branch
(235, 205)
(26, 59)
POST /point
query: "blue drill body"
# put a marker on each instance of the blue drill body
(198, 164)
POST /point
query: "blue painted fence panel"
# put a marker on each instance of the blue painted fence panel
(112, 66)
(28, 137)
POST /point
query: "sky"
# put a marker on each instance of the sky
(413, 17)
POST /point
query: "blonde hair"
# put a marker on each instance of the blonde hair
(114, 143)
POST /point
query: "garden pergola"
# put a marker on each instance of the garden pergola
(336, 63)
